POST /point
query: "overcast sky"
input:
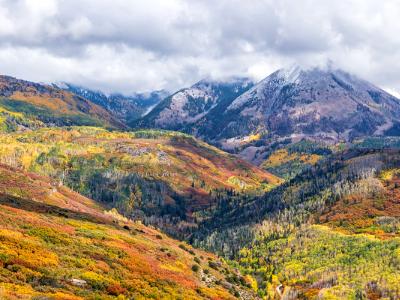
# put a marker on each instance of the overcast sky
(143, 45)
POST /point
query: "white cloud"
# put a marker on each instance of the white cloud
(120, 45)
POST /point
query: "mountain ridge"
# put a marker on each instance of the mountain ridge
(51, 106)
(188, 105)
(166, 179)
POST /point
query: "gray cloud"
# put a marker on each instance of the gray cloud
(136, 45)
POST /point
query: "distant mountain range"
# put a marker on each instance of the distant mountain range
(328, 106)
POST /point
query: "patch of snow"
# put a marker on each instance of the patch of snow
(244, 98)
(290, 75)
(148, 110)
(61, 85)
(386, 126)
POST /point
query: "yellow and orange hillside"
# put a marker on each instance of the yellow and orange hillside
(57, 244)
(160, 173)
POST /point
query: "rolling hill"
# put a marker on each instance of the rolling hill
(57, 244)
(28, 105)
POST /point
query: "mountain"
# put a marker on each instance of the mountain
(330, 232)
(322, 105)
(57, 244)
(25, 104)
(182, 110)
(166, 179)
(126, 108)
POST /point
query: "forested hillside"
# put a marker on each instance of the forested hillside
(331, 231)
(163, 178)
(57, 244)
(292, 159)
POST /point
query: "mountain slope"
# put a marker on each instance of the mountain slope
(184, 108)
(126, 108)
(57, 244)
(321, 105)
(331, 231)
(164, 178)
(45, 105)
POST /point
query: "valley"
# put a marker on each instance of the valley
(199, 150)
(223, 190)
(325, 233)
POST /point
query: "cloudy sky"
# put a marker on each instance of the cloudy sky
(143, 45)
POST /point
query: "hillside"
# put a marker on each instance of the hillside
(57, 244)
(125, 108)
(289, 160)
(309, 195)
(331, 231)
(164, 178)
(28, 105)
